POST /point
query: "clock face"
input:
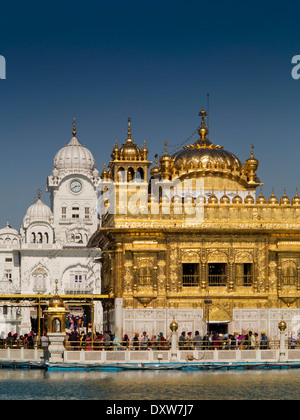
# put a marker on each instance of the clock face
(76, 186)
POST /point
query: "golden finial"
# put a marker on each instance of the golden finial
(129, 129)
(202, 113)
(203, 131)
(74, 128)
(166, 144)
(39, 191)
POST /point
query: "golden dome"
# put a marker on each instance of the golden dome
(213, 199)
(251, 166)
(273, 199)
(200, 200)
(249, 199)
(129, 150)
(296, 199)
(166, 157)
(282, 325)
(166, 164)
(104, 174)
(116, 152)
(237, 199)
(261, 199)
(225, 199)
(56, 301)
(174, 325)
(285, 199)
(155, 170)
(204, 154)
(144, 151)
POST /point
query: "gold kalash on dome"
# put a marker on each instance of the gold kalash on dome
(203, 158)
(243, 252)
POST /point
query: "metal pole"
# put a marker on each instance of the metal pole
(39, 320)
(92, 316)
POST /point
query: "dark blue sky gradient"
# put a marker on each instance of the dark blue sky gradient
(155, 62)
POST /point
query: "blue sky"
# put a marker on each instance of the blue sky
(103, 62)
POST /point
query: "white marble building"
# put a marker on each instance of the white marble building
(51, 243)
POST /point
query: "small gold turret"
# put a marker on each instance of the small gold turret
(284, 201)
(251, 166)
(166, 164)
(273, 200)
(155, 170)
(261, 199)
(104, 174)
(296, 199)
(249, 199)
(213, 199)
(116, 152)
(225, 199)
(237, 199)
(129, 150)
(144, 151)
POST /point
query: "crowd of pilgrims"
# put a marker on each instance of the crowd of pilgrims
(28, 341)
(187, 341)
(79, 336)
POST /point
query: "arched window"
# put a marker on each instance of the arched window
(39, 238)
(140, 175)
(289, 273)
(46, 236)
(130, 175)
(56, 325)
(78, 238)
(121, 175)
(33, 238)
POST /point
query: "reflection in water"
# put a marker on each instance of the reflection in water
(154, 385)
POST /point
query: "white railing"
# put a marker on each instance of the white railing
(78, 289)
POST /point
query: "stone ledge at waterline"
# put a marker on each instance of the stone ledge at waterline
(111, 357)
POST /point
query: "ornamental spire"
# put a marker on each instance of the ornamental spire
(129, 129)
(203, 131)
(74, 128)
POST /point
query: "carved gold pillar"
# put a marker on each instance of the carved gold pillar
(230, 276)
(204, 284)
(255, 286)
(298, 279)
(135, 278)
(118, 289)
(279, 278)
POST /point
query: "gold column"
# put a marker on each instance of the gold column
(279, 278)
(203, 276)
(230, 277)
(118, 289)
(298, 279)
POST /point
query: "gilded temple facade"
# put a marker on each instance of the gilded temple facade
(192, 238)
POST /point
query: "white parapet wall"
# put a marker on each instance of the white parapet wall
(229, 356)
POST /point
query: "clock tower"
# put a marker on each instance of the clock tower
(73, 193)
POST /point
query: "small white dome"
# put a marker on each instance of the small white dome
(39, 211)
(8, 230)
(74, 156)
